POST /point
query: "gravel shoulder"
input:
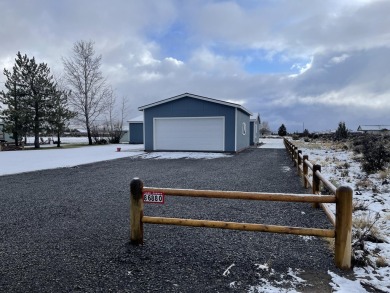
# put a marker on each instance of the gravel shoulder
(67, 230)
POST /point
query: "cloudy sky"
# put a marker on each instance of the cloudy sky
(304, 63)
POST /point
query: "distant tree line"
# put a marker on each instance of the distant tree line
(36, 103)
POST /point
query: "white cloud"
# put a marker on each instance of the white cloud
(339, 59)
(174, 61)
(302, 68)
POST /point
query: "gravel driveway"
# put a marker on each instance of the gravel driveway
(67, 230)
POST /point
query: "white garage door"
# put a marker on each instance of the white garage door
(189, 134)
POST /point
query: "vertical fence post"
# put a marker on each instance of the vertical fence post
(343, 245)
(295, 153)
(299, 161)
(316, 183)
(136, 212)
(305, 170)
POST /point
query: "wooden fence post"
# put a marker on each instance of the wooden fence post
(136, 212)
(316, 183)
(305, 170)
(295, 153)
(299, 161)
(343, 245)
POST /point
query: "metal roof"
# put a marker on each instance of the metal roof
(255, 116)
(138, 119)
(373, 127)
(195, 97)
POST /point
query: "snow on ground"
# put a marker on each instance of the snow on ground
(65, 139)
(271, 143)
(49, 157)
(13, 162)
(371, 207)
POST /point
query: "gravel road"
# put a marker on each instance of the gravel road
(67, 230)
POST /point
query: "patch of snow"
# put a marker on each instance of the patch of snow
(227, 271)
(271, 143)
(280, 282)
(307, 238)
(340, 284)
(182, 155)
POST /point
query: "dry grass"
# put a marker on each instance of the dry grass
(381, 262)
(330, 243)
(384, 174)
(365, 225)
(364, 184)
(358, 205)
(313, 145)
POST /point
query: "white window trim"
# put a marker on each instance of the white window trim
(243, 128)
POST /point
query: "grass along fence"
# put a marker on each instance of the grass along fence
(342, 199)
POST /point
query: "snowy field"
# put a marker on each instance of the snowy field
(371, 216)
(13, 162)
(271, 143)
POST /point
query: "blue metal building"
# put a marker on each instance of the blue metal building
(190, 122)
(136, 130)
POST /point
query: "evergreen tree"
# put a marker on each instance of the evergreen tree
(30, 88)
(15, 114)
(59, 114)
(341, 132)
(282, 130)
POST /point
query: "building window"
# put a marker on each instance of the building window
(243, 128)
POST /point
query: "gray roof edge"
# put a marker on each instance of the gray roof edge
(196, 97)
(374, 127)
(138, 119)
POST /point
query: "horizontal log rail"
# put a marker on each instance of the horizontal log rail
(326, 182)
(244, 195)
(240, 226)
(342, 221)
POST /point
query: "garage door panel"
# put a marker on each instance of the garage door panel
(189, 134)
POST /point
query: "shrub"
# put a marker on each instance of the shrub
(375, 153)
(295, 137)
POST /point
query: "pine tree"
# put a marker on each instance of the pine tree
(30, 88)
(282, 130)
(341, 132)
(59, 114)
(15, 114)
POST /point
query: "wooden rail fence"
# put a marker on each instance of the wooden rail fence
(342, 198)
(342, 221)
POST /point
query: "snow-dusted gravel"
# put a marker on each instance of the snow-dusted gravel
(67, 230)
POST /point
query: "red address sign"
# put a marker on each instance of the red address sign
(153, 197)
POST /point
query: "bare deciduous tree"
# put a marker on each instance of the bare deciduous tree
(115, 117)
(89, 90)
(264, 128)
